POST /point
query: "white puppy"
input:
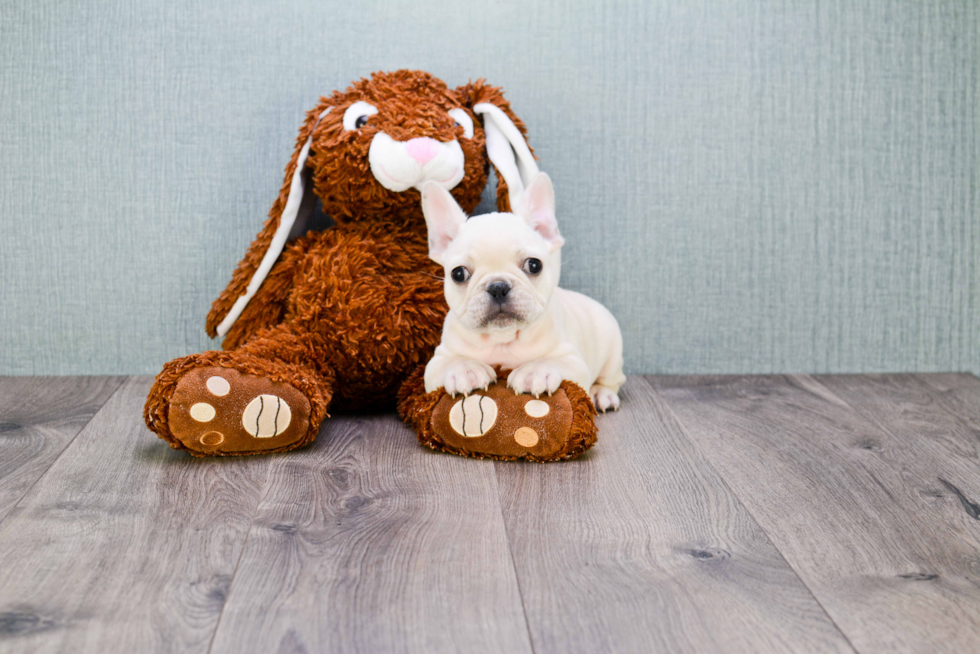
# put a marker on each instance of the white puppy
(505, 307)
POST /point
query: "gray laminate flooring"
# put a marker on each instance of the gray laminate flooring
(715, 514)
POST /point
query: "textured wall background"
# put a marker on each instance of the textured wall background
(750, 186)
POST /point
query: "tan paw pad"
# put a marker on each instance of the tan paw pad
(526, 437)
(536, 408)
(473, 416)
(266, 416)
(203, 412)
(218, 386)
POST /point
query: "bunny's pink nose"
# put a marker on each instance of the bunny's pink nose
(423, 150)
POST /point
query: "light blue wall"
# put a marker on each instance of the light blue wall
(750, 186)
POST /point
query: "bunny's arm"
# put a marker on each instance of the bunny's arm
(267, 307)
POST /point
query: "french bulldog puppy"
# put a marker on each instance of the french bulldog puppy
(505, 307)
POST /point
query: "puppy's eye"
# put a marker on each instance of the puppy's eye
(460, 274)
(462, 119)
(357, 115)
(532, 266)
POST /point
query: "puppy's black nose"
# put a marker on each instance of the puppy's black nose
(498, 291)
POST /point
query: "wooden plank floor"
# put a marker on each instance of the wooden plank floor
(716, 514)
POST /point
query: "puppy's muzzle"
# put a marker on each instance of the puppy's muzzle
(498, 291)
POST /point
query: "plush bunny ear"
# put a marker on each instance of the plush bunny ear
(507, 148)
(287, 220)
(507, 151)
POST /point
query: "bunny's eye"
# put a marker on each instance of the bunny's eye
(358, 114)
(463, 120)
(460, 274)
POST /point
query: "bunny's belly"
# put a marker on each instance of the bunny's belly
(373, 306)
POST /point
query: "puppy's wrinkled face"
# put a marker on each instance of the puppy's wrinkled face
(500, 273)
(501, 268)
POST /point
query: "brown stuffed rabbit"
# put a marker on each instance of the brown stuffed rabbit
(340, 318)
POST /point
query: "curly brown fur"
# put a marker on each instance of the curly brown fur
(347, 313)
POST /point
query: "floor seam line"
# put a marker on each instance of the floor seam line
(751, 515)
(241, 555)
(27, 491)
(510, 552)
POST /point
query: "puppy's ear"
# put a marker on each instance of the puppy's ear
(443, 218)
(538, 209)
(287, 219)
(507, 148)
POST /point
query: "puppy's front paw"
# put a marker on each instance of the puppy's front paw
(536, 378)
(604, 398)
(467, 375)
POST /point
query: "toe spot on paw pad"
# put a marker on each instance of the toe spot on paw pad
(536, 408)
(266, 416)
(473, 416)
(218, 386)
(526, 437)
(212, 438)
(203, 412)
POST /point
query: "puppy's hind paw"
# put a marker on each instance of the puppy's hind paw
(604, 398)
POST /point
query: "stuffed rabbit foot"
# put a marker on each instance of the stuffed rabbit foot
(500, 424)
(220, 411)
